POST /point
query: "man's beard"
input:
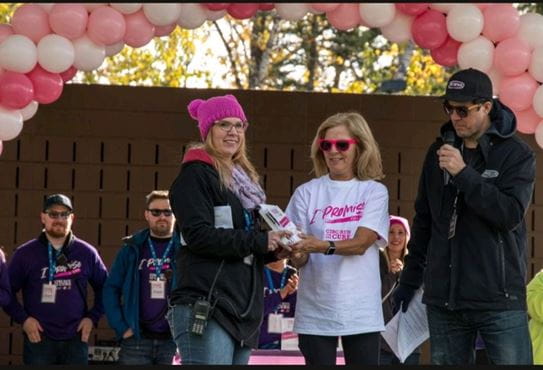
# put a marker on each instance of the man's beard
(162, 231)
(52, 231)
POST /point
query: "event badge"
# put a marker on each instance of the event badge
(223, 217)
(158, 289)
(49, 293)
(287, 324)
(275, 323)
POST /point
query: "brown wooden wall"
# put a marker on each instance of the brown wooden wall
(107, 147)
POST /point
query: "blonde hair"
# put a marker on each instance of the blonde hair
(222, 164)
(367, 164)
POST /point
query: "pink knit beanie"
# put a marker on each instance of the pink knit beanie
(401, 221)
(207, 112)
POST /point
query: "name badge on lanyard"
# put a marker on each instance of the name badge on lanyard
(158, 286)
(49, 290)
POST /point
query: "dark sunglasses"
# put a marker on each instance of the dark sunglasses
(462, 110)
(157, 212)
(341, 145)
(56, 215)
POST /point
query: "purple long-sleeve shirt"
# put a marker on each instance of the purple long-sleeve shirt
(28, 271)
(5, 289)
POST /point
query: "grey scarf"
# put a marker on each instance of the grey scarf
(249, 193)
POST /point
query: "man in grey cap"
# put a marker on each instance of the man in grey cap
(53, 272)
(468, 240)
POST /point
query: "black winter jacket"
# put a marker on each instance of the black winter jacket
(239, 286)
(484, 265)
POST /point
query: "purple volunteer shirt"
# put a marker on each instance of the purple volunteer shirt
(153, 311)
(28, 271)
(274, 304)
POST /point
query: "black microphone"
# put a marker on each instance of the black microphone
(448, 138)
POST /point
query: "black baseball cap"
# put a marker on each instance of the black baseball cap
(59, 199)
(468, 85)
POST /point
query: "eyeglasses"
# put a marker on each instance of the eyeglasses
(226, 126)
(157, 212)
(341, 145)
(56, 215)
(462, 110)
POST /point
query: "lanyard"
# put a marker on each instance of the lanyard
(248, 220)
(158, 265)
(270, 280)
(52, 262)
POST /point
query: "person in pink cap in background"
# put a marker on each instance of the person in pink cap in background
(217, 302)
(391, 260)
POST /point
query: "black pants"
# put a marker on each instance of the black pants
(358, 349)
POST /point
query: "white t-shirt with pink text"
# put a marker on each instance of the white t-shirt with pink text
(340, 295)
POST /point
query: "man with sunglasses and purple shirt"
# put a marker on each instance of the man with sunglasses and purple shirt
(468, 245)
(53, 272)
(137, 290)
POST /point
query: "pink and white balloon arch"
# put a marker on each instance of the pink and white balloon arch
(47, 43)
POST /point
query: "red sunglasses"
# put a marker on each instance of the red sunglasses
(341, 145)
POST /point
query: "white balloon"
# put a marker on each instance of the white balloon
(91, 6)
(496, 79)
(11, 123)
(126, 8)
(478, 54)
(539, 134)
(377, 14)
(442, 7)
(399, 30)
(531, 29)
(214, 15)
(193, 15)
(46, 6)
(88, 55)
(465, 22)
(30, 110)
(114, 49)
(536, 64)
(537, 101)
(162, 14)
(18, 54)
(291, 11)
(55, 53)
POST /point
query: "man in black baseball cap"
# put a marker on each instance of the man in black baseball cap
(59, 199)
(468, 244)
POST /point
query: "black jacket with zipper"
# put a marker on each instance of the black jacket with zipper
(483, 266)
(237, 294)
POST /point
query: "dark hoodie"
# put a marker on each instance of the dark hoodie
(484, 265)
(237, 294)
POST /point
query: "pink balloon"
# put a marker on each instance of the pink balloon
(164, 30)
(242, 10)
(517, 92)
(527, 121)
(216, 6)
(345, 16)
(412, 8)
(429, 29)
(31, 21)
(68, 74)
(106, 26)
(446, 54)
(266, 6)
(139, 31)
(5, 31)
(501, 21)
(483, 6)
(69, 20)
(325, 7)
(47, 86)
(16, 90)
(512, 56)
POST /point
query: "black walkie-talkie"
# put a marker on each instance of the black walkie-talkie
(200, 315)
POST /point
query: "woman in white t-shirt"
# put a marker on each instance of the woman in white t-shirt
(344, 216)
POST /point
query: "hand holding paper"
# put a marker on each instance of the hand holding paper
(277, 220)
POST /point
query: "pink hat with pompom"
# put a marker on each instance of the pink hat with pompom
(207, 112)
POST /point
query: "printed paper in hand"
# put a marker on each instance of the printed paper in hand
(278, 220)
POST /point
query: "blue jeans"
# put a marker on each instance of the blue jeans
(145, 351)
(215, 347)
(55, 352)
(453, 334)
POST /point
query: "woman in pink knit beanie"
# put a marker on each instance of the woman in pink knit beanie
(217, 302)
